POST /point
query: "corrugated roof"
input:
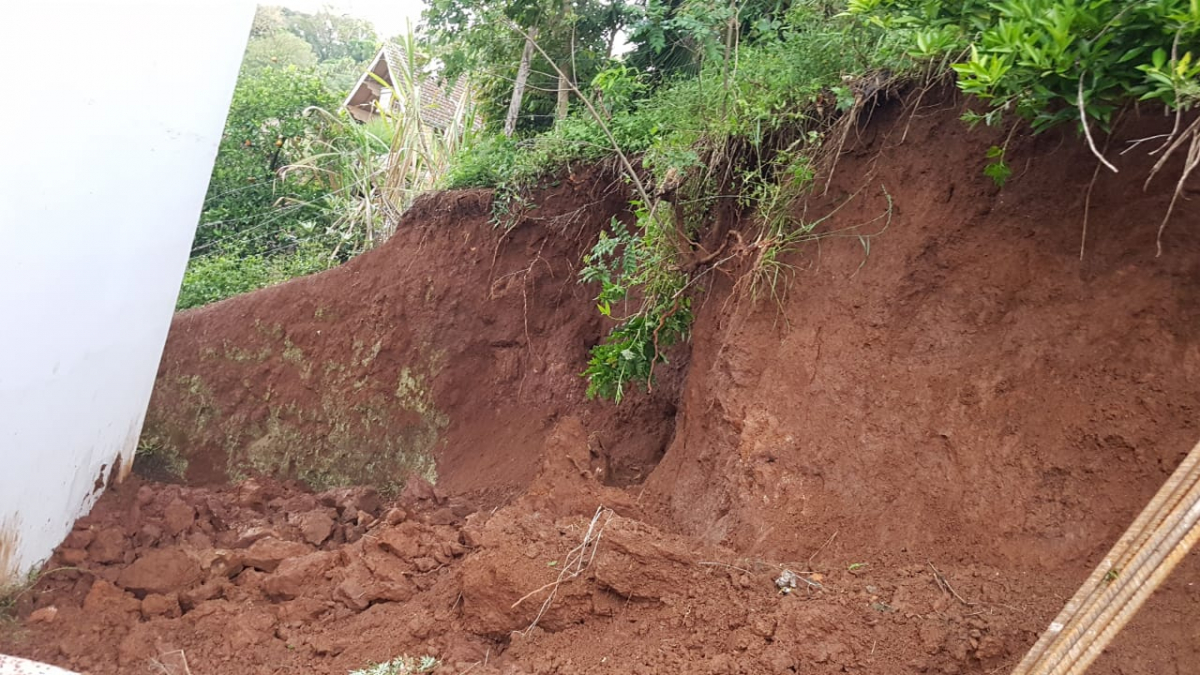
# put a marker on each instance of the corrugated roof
(439, 104)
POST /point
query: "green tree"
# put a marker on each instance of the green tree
(334, 36)
(481, 37)
(278, 50)
(676, 37)
(267, 20)
(248, 202)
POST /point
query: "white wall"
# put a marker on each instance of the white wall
(110, 115)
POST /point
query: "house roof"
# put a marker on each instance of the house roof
(439, 104)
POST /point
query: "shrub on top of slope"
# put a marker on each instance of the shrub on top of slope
(1051, 60)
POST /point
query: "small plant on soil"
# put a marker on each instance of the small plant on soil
(11, 594)
(401, 665)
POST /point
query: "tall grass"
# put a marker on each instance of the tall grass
(363, 177)
(376, 170)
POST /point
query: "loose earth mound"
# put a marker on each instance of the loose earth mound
(903, 462)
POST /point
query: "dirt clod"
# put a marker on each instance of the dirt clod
(266, 554)
(178, 517)
(159, 572)
(44, 615)
(108, 546)
(316, 526)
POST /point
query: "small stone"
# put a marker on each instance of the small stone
(251, 495)
(462, 509)
(349, 501)
(105, 597)
(44, 615)
(79, 539)
(179, 516)
(145, 495)
(160, 571)
(353, 533)
(72, 556)
(209, 591)
(471, 535)
(352, 592)
(786, 581)
(418, 489)
(220, 562)
(295, 576)
(442, 516)
(395, 516)
(149, 535)
(108, 546)
(253, 534)
(315, 526)
(266, 554)
(425, 564)
(399, 543)
(156, 604)
(301, 610)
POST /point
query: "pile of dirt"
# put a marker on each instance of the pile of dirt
(267, 577)
(905, 465)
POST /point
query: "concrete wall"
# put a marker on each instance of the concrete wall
(110, 115)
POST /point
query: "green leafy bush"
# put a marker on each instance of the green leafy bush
(1048, 60)
(745, 128)
(776, 84)
(217, 276)
(622, 263)
(757, 116)
(297, 188)
(488, 163)
(267, 128)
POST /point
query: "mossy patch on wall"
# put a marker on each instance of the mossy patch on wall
(354, 420)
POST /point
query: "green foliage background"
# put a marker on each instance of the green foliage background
(712, 104)
(261, 224)
(752, 91)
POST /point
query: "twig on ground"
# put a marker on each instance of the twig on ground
(575, 563)
(720, 564)
(944, 585)
(835, 532)
(181, 661)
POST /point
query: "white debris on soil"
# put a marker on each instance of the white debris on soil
(787, 581)
(11, 665)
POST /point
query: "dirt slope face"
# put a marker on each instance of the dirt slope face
(970, 389)
(940, 442)
(444, 353)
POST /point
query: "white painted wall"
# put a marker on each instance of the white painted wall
(110, 116)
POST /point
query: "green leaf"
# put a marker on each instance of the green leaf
(1159, 58)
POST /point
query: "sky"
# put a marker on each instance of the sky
(389, 16)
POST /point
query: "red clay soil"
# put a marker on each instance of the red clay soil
(939, 429)
(455, 341)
